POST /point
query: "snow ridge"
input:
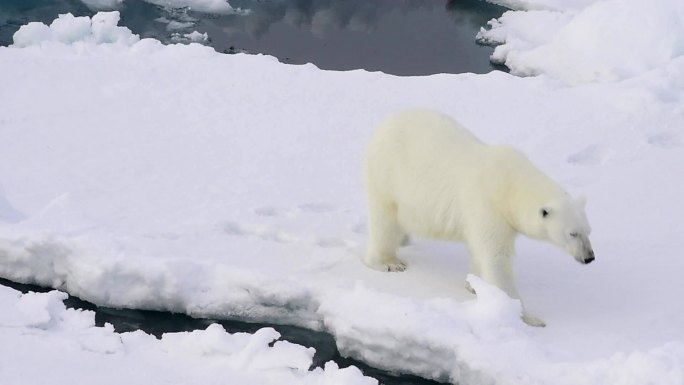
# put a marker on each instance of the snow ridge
(39, 328)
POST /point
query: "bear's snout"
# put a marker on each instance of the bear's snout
(588, 257)
(583, 252)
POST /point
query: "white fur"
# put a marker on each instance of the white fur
(426, 175)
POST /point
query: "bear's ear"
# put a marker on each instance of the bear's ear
(544, 212)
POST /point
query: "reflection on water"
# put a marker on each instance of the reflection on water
(158, 323)
(403, 37)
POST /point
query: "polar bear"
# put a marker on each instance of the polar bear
(427, 175)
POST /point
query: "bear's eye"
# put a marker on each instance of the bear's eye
(574, 235)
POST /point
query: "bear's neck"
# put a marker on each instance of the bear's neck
(522, 193)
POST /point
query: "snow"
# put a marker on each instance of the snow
(228, 186)
(597, 43)
(39, 332)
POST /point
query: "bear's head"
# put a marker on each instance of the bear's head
(564, 223)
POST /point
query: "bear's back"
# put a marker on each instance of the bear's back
(426, 127)
(422, 161)
(420, 138)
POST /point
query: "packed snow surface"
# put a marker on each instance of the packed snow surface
(175, 178)
(64, 344)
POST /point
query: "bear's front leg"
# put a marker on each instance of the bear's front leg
(385, 236)
(532, 320)
(496, 268)
(474, 269)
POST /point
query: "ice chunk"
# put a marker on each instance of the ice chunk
(197, 37)
(68, 29)
(105, 30)
(32, 310)
(32, 33)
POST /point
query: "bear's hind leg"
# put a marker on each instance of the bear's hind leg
(385, 236)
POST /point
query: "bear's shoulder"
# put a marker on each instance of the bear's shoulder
(507, 157)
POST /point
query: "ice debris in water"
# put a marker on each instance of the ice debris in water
(102, 28)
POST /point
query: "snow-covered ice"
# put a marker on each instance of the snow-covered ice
(43, 339)
(78, 31)
(175, 178)
(196, 37)
(606, 41)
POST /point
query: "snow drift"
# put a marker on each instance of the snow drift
(606, 41)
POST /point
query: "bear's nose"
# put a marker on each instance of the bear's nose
(590, 258)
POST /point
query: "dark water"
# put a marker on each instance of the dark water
(158, 323)
(402, 37)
